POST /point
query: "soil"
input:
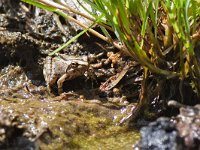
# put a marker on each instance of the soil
(84, 117)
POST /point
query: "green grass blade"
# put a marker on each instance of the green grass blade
(69, 42)
(40, 5)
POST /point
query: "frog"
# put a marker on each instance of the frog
(63, 67)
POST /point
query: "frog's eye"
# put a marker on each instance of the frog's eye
(73, 65)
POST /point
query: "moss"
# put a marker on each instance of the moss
(71, 125)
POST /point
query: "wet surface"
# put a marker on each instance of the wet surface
(66, 124)
(36, 119)
(160, 135)
(82, 117)
(188, 124)
(176, 133)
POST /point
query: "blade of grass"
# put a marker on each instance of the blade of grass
(40, 5)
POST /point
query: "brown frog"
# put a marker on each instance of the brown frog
(62, 68)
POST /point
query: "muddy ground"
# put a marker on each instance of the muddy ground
(85, 117)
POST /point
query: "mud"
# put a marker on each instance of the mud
(82, 118)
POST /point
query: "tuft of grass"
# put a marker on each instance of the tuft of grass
(152, 31)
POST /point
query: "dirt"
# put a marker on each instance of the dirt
(84, 117)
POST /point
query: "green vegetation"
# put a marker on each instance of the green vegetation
(151, 30)
(162, 35)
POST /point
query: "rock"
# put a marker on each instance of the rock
(188, 125)
(160, 135)
(12, 133)
(177, 133)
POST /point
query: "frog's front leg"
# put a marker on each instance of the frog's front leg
(60, 82)
(50, 81)
(49, 89)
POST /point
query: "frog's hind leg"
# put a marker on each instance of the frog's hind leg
(60, 83)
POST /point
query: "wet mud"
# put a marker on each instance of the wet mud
(83, 117)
